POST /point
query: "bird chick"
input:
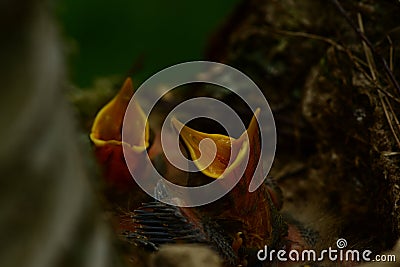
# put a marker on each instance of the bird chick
(252, 219)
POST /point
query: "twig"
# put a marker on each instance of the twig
(389, 94)
(393, 113)
(390, 153)
(389, 119)
(309, 36)
(367, 50)
(357, 61)
(368, 43)
(390, 52)
(336, 45)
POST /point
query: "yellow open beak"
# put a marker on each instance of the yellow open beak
(211, 153)
(106, 135)
(252, 209)
(107, 127)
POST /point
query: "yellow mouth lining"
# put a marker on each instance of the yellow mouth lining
(107, 126)
(219, 167)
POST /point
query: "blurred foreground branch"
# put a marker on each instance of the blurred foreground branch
(47, 211)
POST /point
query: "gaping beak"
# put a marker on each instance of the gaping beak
(212, 152)
(107, 126)
(106, 135)
(255, 210)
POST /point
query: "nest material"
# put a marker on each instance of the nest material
(335, 105)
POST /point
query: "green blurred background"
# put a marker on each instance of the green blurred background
(106, 38)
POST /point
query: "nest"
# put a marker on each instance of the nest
(328, 72)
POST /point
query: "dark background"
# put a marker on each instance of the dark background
(105, 39)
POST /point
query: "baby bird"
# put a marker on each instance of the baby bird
(252, 219)
(106, 135)
(236, 226)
